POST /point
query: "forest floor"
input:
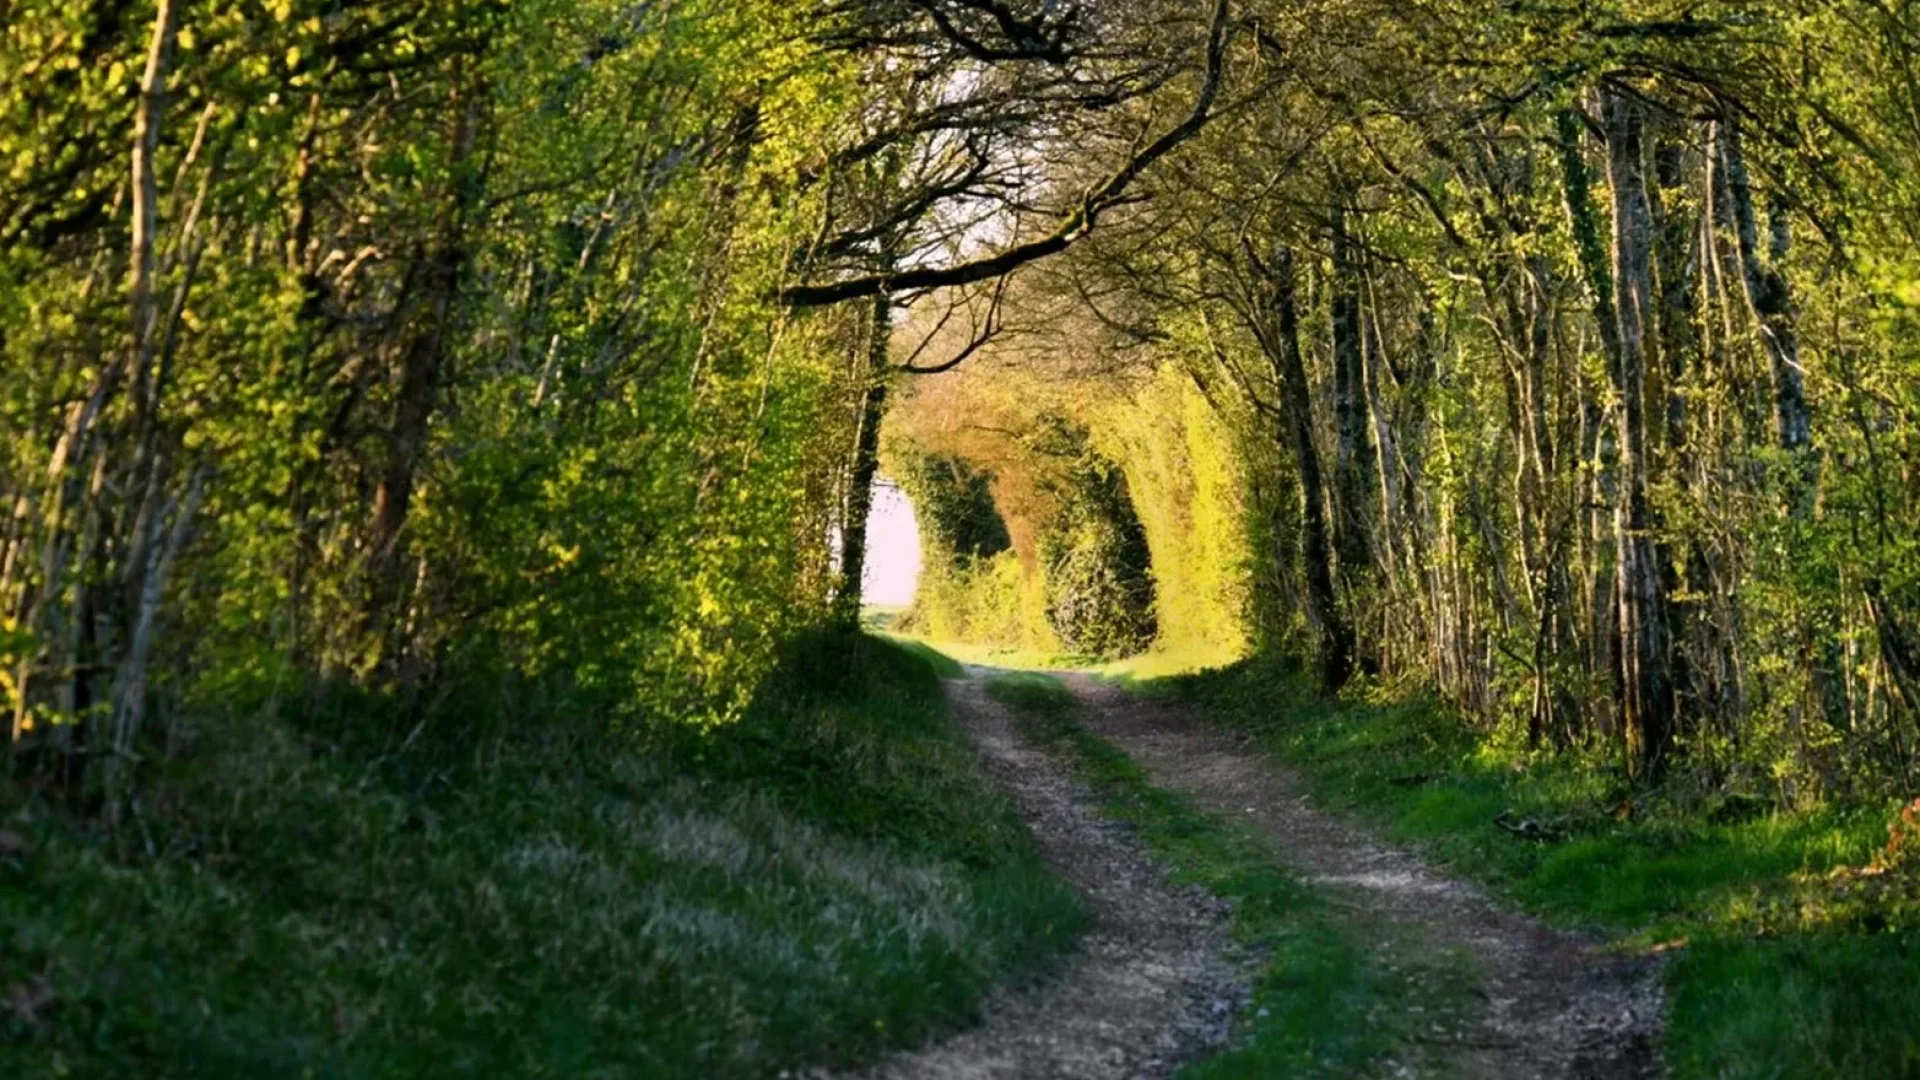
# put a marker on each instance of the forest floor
(1375, 963)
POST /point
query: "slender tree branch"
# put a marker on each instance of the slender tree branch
(1071, 228)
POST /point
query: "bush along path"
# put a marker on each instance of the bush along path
(1241, 933)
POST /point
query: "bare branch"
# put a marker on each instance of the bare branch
(984, 332)
(1075, 225)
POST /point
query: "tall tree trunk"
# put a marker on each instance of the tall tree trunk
(1677, 262)
(423, 358)
(1382, 467)
(1768, 295)
(1601, 599)
(866, 464)
(1645, 682)
(146, 141)
(1336, 646)
(93, 598)
(1546, 528)
(1354, 484)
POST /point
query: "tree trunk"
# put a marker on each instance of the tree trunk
(130, 690)
(1768, 296)
(866, 464)
(422, 360)
(1644, 683)
(146, 140)
(1601, 587)
(1544, 528)
(1382, 467)
(1677, 263)
(1354, 477)
(1336, 637)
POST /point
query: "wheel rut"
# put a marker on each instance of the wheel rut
(1552, 1004)
(1150, 987)
(1156, 983)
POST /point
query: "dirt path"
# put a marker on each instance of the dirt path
(1554, 1006)
(1153, 985)
(1150, 985)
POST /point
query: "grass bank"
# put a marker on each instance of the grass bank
(1795, 939)
(1324, 1005)
(826, 879)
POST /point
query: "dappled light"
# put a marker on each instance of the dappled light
(975, 539)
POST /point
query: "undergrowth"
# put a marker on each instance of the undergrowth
(1778, 968)
(826, 879)
(1325, 1003)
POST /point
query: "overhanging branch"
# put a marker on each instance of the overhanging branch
(1071, 228)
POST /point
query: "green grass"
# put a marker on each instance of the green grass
(1326, 1001)
(1158, 663)
(880, 618)
(1770, 981)
(945, 666)
(826, 879)
(1154, 664)
(1004, 656)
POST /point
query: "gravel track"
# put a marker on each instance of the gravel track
(1553, 1004)
(1150, 986)
(1155, 983)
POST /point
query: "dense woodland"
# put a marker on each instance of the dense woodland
(1556, 356)
(1553, 359)
(1560, 355)
(421, 418)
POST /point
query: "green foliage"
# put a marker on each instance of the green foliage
(1100, 596)
(1473, 465)
(973, 586)
(1187, 481)
(827, 878)
(1087, 574)
(991, 602)
(1583, 846)
(464, 361)
(1126, 510)
(953, 505)
(418, 369)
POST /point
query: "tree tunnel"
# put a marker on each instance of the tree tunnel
(1035, 546)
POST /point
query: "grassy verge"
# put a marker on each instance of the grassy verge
(1784, 972)
(1325, 1002)
(826, 879)
(1006, 656)
(944, 665)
